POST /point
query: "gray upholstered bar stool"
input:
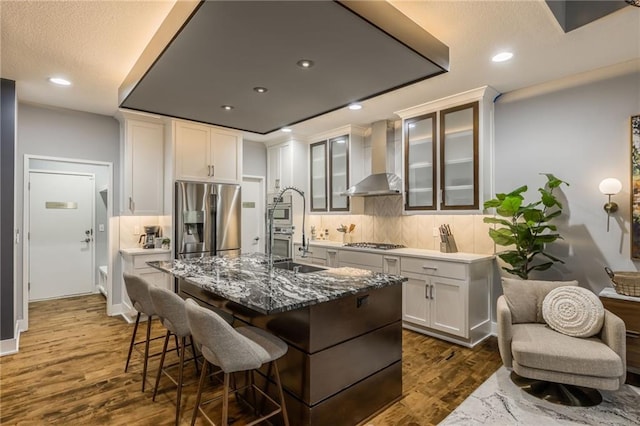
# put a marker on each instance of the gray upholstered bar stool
(234, 350)
(170, 308)
(138, 291)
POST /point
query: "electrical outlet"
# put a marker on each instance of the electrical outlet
(136, 229)
(436, 231)
(101, 227)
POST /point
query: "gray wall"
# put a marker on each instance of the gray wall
(582, 135)
(62, 133)
(254, 158)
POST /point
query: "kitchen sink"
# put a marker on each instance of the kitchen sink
(298, 267)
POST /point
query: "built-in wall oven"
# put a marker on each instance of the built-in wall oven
(283, 244)
(283, 213)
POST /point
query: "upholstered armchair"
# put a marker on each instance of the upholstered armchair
(552, 365)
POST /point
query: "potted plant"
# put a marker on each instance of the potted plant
(526, 227)
(166, 243)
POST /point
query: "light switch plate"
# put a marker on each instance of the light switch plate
(101, 227)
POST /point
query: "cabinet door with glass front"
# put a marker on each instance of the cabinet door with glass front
(338, 173)
(420, 157)
(459, 157)
(318, 170)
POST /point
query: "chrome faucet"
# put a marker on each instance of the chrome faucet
(305, 242)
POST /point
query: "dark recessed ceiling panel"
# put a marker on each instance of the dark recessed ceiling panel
(228, 48)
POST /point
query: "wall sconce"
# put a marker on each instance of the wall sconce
(609, 187)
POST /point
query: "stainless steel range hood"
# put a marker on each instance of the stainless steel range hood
(380, 182)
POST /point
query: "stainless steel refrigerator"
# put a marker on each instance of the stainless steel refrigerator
(207, 219)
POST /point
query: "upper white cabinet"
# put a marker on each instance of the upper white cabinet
(142, 148)
(207, 153)
(336, 160)
(286, 165)
(447, 148)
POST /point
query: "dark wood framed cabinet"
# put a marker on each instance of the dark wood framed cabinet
(332, 169)
(447, 147)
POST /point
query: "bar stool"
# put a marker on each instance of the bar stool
(170, 308)
(233, 350)
(138, 291)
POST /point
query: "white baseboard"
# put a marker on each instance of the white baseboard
(494, 328)
(11, 346)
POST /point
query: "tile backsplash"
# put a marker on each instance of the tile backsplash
(384, 222)
(131, 227)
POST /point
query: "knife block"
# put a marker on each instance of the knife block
(449, 246)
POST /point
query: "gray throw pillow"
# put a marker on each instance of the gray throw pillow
(525, 297)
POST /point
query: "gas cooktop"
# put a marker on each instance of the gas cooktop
(379, 246)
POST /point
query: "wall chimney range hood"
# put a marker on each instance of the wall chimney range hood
(380, 182)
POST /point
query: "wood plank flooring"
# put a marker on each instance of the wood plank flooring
(70, 371)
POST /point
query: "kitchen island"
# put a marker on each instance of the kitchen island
(343, 327)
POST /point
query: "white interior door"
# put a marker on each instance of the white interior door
(60, 234)
(253, 204)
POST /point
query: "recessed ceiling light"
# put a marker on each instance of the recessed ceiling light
(227, 107)
(260, 89)
(305, 63)
(355, 106)
(59, 81)
(286, 130)
(502, 56)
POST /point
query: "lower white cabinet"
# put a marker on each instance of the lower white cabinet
(134, 261)
(447, 299)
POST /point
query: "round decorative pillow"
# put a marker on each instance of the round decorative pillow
(574, 311)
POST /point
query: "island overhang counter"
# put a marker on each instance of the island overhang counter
(343, 327)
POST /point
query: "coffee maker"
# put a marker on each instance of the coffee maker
(148, 238)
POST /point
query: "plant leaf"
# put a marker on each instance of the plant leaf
(509, 206)
(552, 181)
(502, 236)
(492, 203)
(496, 220)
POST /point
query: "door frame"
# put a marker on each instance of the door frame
(263, 200)
(26, 226)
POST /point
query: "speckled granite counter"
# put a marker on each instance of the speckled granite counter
(343, 327)
(246, 280)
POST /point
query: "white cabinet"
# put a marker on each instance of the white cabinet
(391, 265)
(332, 258)
(207, 153)
(279, 167)
(447, 149)
(315, 256)
(361, 260)
(134, 261)
(142, 148)
(447, 299)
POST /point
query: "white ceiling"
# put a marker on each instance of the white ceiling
(96, 43)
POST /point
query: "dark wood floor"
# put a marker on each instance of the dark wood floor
(70, 371)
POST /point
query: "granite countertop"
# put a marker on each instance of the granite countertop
(409, 252)
(246, 280)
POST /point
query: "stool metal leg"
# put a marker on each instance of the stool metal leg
(203, 376)
(225, 401)
(183, 349)
(146, 352)
(133, 340)
(164, 352)
(281, 392)
(195, 355)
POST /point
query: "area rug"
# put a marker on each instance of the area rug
(500, 402)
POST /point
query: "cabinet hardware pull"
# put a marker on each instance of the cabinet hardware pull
(213, 170)
(391, 259)
(430, 267)
(331, 251)
(431, 292)
(426, 291)
(209, 170)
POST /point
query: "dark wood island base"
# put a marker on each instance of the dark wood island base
(344, 362)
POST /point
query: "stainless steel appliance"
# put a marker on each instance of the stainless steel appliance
(283, 241)
(207, 219)
(283, 213)
(148, 238)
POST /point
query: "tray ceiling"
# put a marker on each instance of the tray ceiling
(226, 49)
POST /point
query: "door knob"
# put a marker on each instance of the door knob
(86, 240)
(256, 239)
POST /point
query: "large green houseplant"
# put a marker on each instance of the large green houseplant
(526, 228)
